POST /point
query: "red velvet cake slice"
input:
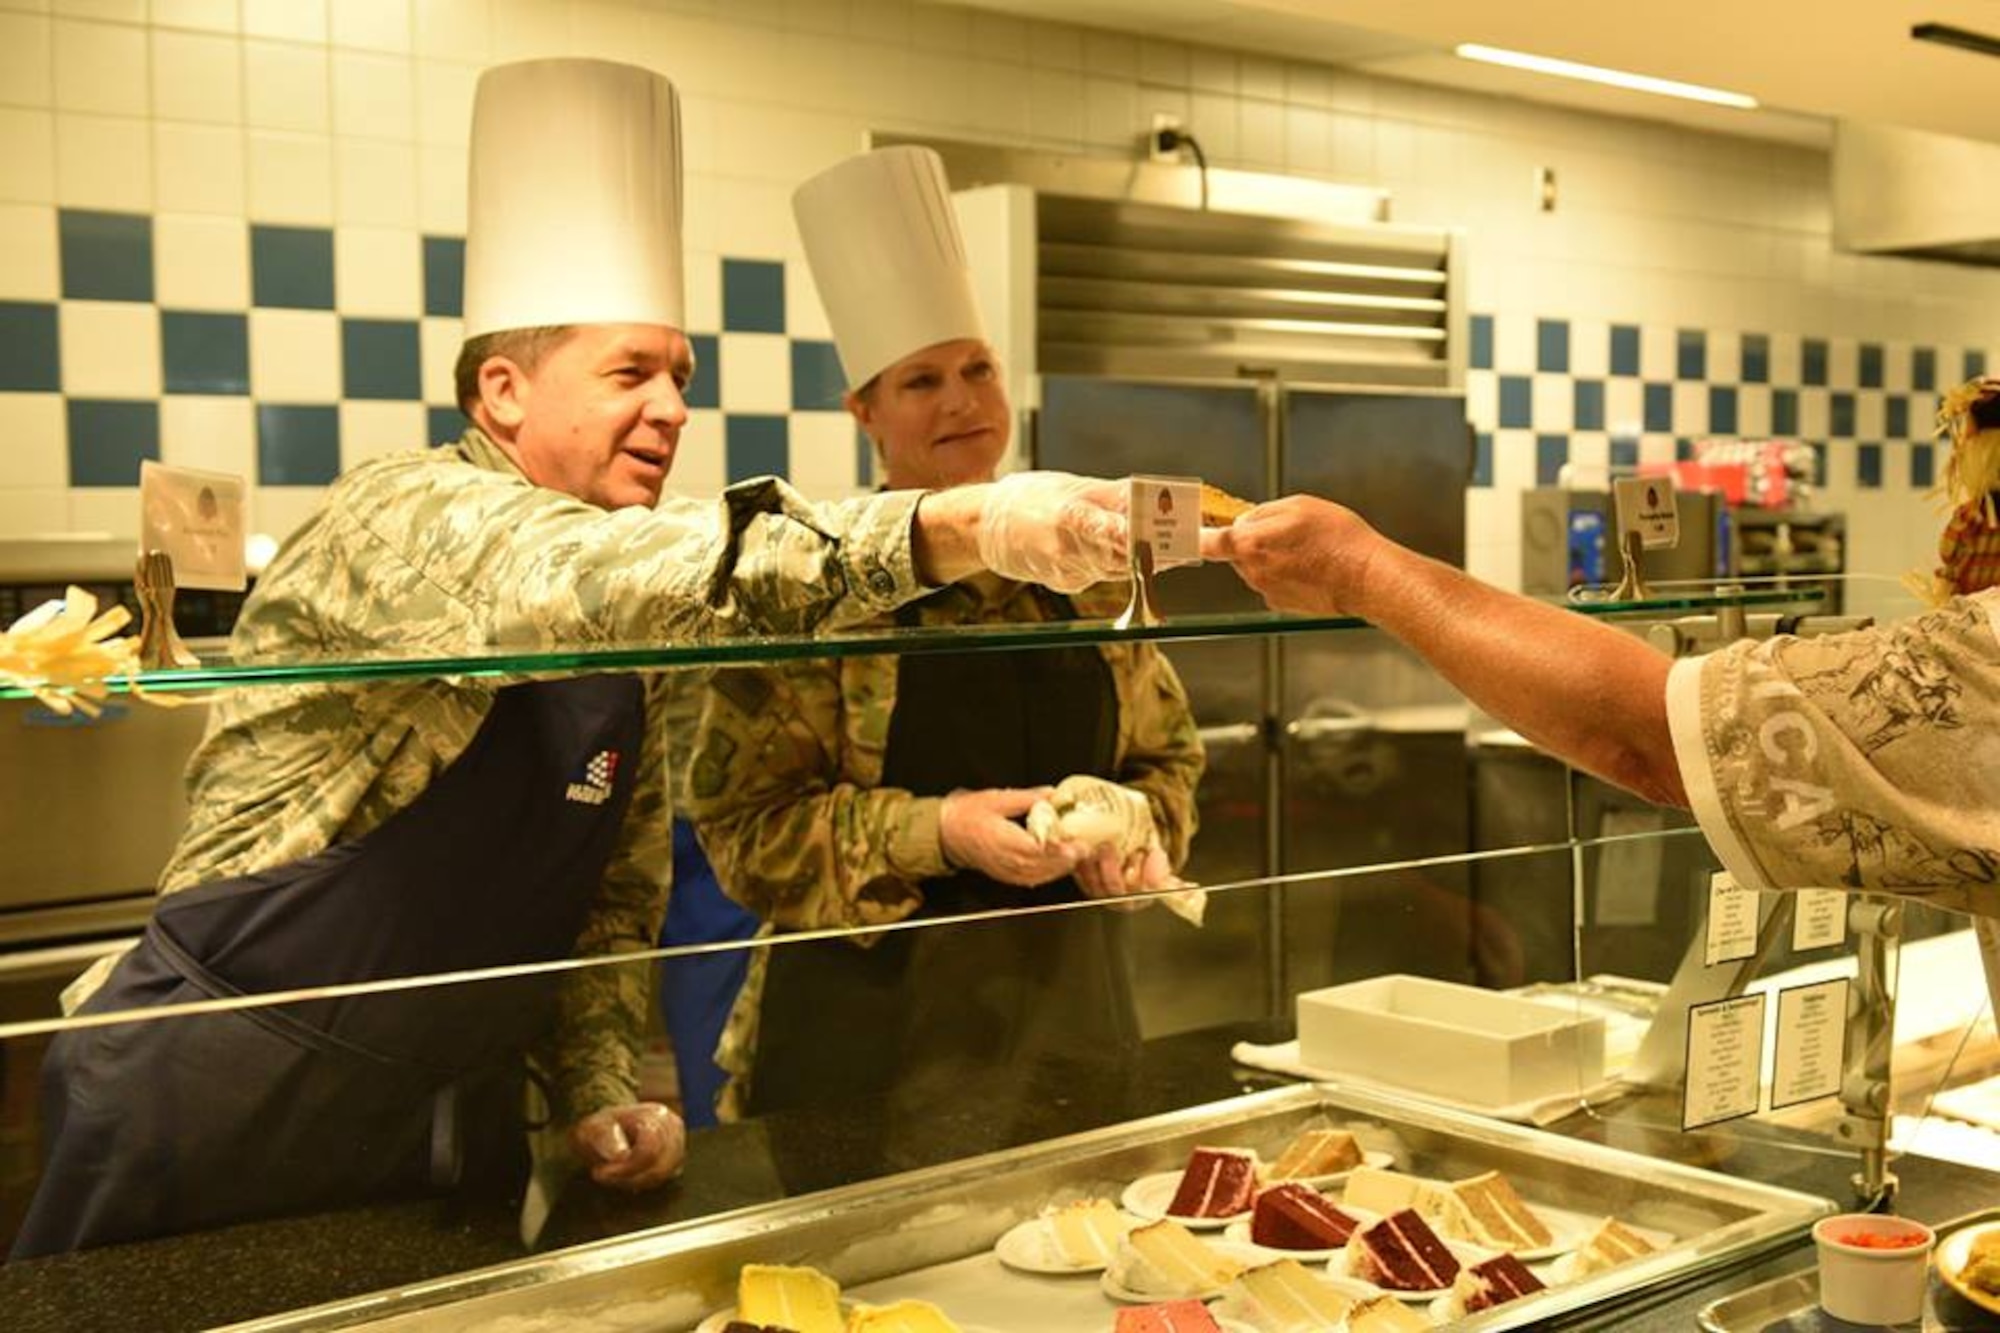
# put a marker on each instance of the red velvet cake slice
(1299, 1217)
(1218, 1182)
(1401, 1253)
(1492, 1282)
(1168, 1317)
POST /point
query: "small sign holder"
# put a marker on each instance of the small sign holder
(160, 643)
(1163, 527)
(1648, 520)
(190, 535)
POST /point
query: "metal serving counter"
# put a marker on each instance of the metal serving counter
(921, 1226)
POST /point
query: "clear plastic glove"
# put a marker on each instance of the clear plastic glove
(1122, 852)
(977, 832)
(1062, 531)
(634, 1147)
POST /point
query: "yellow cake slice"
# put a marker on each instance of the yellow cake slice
(1283, 1297)
(1386, 1192)
(1385, 1314)
(900, 1317)
(1486, 1211)
(1612, 1244)
(1087, 1233)
(1317, 1152)
(802, 1299)
(1164, 1259)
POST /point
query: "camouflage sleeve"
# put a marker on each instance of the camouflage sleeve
(1163, 755)
(788, 837)
(592, 1054)
(468, 557)
(1868, 760)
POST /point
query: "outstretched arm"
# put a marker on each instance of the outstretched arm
(1584, 691)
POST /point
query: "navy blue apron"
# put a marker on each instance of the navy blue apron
(921, 1016)
(153, 1128)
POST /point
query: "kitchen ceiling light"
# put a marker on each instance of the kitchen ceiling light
(1617, 78)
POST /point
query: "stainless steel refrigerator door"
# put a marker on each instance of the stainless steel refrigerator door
(1373, 747)
(1222, 434)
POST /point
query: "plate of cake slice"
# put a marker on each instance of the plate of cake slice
(1164, 1261)
(1080, 1237)
(1323, 1157)
(1483, 1211)
(1215, 1188)
(1605, 1245)
(1297, 1220)
(1402, 1256)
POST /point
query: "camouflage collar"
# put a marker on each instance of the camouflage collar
(479, 449)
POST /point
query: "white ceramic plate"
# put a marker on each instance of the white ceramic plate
(1381, 1161)
(1148, 1197)
(1953, 1253)
(1467, 1255)
(1030, 1247)
(1243, 1256)
(1238, 1233)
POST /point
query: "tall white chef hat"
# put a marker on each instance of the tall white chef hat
(574, 215)
(883, 243)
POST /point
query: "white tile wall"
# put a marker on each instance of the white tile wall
(110, 349)
(210, 113)
(219, 434)
(36, 456)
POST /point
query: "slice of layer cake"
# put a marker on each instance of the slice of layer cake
(1317, 1152)
(1087, 1233)
(1612, 1244)
(1385, 1314)
(1401, 1253)
(1283, 1298)
(1492, 1282)
(1164, 1259)
(1218, 1182)
(1299, 1217)
(804, 1300)
(739, 1326)
(1170, 1317)
(900, 1317)
(1377, 1191)
(1488, 1212)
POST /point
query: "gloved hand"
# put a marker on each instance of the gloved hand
(1062, 531)
(1122, 852)
(977, 832)
(633, 1147)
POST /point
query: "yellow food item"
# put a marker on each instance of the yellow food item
(1982, 1266)
(1219, 508)
(803, 1299)
(900, 1317)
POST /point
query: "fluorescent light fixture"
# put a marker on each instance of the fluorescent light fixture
(1617, 78)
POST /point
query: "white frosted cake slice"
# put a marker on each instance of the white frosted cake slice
(900, 1317)
(1164, 1259)
(1086, 1234)
(1283, 1297)
(1385, 1314)
(1383, 1192)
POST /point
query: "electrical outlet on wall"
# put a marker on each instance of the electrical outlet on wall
(1162, 120)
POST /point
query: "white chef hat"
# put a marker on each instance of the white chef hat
(883, 243)
(574, 215)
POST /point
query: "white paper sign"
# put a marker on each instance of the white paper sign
(1646, 506)
(1732, 920)
(1165, 513)
(1819, 919)
(1812, 1043)
(1725, 1049)
(197, 519)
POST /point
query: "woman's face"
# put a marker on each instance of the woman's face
(939, 417)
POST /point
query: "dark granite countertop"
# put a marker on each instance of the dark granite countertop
(243, 1272)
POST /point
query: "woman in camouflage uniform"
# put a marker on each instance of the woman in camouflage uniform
(870, 790)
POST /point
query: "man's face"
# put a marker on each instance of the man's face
(603, 413)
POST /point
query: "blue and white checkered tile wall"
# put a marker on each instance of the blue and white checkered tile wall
(1545, 392)
(290, 353)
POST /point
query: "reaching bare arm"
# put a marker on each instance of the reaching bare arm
(1581, 690)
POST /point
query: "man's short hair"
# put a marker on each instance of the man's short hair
(526, 348)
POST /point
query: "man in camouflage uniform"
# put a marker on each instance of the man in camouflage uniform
(347, 832)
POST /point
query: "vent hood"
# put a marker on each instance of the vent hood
(1912, 193)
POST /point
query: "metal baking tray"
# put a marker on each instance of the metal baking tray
(930, 1232)
(1791, 1304)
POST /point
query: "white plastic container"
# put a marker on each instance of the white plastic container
(1461, 1043)
(1866, 1285)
